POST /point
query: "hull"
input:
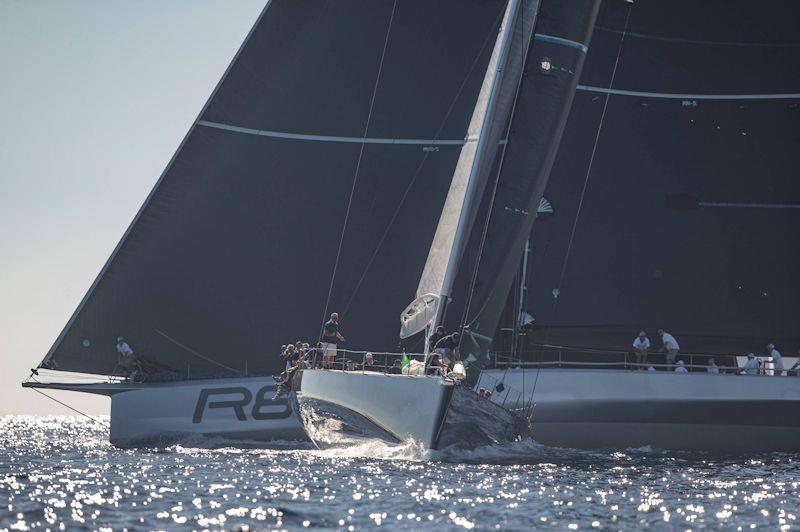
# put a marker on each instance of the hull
(240, 410)
(229, 409)
(394, 407)
(338, 406)
(593, 409)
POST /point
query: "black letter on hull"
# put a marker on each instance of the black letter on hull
(237, 405)
(262, 400)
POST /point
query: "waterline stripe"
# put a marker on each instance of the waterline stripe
(680, 96)
(332, 138)
(560, 40)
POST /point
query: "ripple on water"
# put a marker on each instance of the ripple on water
(60, 472)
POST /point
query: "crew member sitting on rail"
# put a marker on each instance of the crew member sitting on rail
(447, 347)
(777, 359)
(128, 362)
(751, 366)
(680, 369)
(640, 346)
(712, 366)
(330, 339)
(670, 345)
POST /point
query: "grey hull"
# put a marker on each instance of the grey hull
(593, 409)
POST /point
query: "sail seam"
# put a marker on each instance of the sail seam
(333, 138)
(682, 96)
(560, 40)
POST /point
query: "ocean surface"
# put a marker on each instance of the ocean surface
(61, 473)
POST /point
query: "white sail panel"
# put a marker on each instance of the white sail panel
(485, 131)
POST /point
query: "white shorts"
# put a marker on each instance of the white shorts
(328, 350)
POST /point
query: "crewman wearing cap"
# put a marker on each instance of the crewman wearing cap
(640, 346)
(680, 367)
(751, 366)
(777, 359)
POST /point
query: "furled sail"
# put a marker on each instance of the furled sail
(311, 182)
(690, 217)
(552, 68)
(485, 131)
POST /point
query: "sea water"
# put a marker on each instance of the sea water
(61, 473)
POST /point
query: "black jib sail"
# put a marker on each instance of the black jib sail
(677, 206)
(552, 69)
(312, 182)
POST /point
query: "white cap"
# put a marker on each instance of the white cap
(750, 355)
(680, 362)
(770, 346)
(642, 333)
(119, 338)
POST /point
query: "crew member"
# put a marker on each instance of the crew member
(670, 345)
(680, 368)
(777, 359)
(127, 361)
(712, 367)
(447, 347)
(640, 346)
(330, 339)
(751, 366)
(436, 336)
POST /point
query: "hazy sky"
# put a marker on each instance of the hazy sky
(95, 97)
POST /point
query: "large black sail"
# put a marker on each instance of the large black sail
(689, 218)
(554, 63)
(234, 251)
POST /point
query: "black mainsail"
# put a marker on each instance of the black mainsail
(332, 115)
(689, 216)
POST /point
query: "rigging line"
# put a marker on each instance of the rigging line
(591, 164)
(62, 403)
(424, 159)
(358, 167)
(195, 353)
(485, 231)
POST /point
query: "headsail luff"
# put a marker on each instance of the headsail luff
(486, 129)
(232, 253)
(553, 68)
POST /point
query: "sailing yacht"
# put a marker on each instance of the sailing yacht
(514, 89)
(318, 177)
(336, 167)
(675, 204)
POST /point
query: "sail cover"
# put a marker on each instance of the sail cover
(690, 218)
(234, 251)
